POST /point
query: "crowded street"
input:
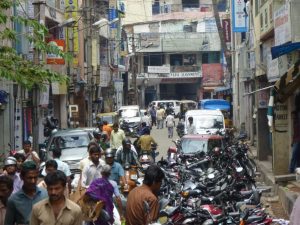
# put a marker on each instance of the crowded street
(149, 112)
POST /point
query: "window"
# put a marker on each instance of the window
(211, 57)
(190, 3)
(176, 60)
(266, 17)
(271, 12)
(256, 7)
(155, 59)
(189, 59)
(261, 21)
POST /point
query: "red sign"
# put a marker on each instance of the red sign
(212, 75)
(226, 30)
(53, 58)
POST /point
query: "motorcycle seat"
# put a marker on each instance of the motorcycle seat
(255, 218)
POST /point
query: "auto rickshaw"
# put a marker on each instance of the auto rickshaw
(186, 105)
(110, 117)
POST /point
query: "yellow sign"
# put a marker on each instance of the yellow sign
(71, 11)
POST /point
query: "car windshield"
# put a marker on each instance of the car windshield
(189, 146)
(70, 141)
(208, 122)
(129, 113)
(109, 119)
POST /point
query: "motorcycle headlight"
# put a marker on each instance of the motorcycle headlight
(185, 194)
(163, 219)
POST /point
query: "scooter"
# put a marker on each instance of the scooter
(131, 176)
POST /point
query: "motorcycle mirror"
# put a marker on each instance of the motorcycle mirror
(211, 176)
(239, 169)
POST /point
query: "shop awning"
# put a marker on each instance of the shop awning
(223, 90)
(280, 50)
(288, 83)
(209, 89)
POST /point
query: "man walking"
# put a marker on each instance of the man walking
(56, 209)
(6, 189)
(19, 205)
(170, 123)
(92, 170)
(135, 208)
(116, 137)
(160, 117)
(152, 112)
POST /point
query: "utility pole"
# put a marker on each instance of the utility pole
(227, 51)
(89, 7)
(39, 13)
(134, 69)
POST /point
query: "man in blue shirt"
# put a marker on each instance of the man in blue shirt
(117, 171)
(20, 204)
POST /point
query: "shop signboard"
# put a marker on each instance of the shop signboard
(212, 74)
(282, 25)
(104, 76)
(226, 30)
(238, 16)
(71, 11)
(159, 69)
(281, 116)
(53, 58)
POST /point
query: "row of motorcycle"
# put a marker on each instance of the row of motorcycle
(217, 187)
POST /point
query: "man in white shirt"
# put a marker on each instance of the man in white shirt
(191, 129)
(170, 123)
(146, 119)
(29, 154)
(92, 170)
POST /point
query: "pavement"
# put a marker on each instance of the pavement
(285, 189)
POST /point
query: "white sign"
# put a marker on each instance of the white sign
(171, 75)
(104, 76)
(159, 69)
(238, 16)
(282, 25)
(185, 75)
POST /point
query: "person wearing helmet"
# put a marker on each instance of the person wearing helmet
(104, 141)
(126, 154)
(97, 136)
(10, 169)
(117, 171)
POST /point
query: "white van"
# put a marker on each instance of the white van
(205, 121)
(130, 113)
(175, 104)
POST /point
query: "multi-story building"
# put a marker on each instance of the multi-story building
(178, 52)
(258, 68)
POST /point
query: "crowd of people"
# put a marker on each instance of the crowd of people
(34, 195)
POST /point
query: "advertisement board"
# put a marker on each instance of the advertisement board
(282, 25)
(212, 75)
(53, 58)
(238, 16)
(226, 30)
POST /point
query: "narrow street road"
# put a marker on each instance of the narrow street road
(161, 137)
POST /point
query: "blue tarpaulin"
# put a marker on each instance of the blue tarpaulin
(280, 50)
(214, 104)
